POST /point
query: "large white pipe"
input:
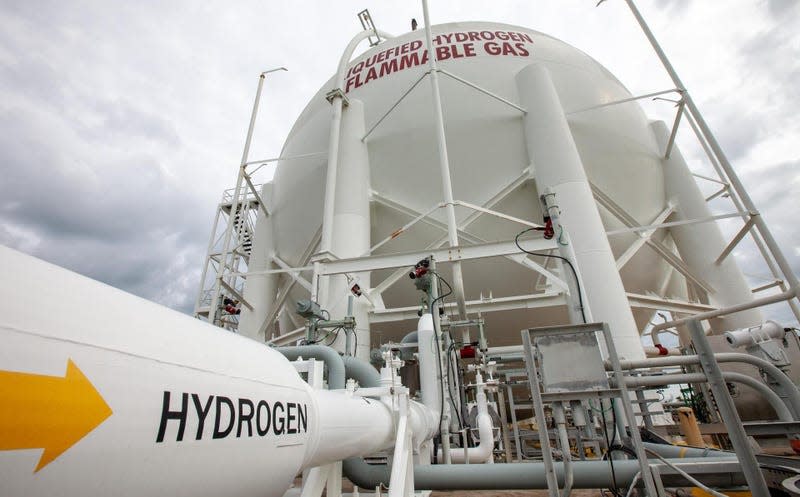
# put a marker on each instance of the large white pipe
(106, 393)
(350, 426)
(558, 167)
(260, 289)
(429, 377)
(351, 225)
(700, 244)
(331, 174)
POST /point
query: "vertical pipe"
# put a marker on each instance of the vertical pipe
(348, 338)
(563, 442)
(350, 235)
(558, 167)
(319, 291)
(428, 371)
(444, 164)
(577, 309)
(444, 409)
(237, 191)
(501, 403)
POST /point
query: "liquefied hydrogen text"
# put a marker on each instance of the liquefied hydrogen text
(447, 45)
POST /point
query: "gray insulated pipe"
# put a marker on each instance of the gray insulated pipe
(339, 368)
(361, 371)
(405, 353)
(331, 358)
(587, 474)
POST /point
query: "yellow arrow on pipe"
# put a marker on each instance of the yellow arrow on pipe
(48, 412)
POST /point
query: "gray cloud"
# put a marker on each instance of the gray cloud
(780, 8)
(121, 123)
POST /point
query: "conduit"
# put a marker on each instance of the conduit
(339, 368)
(773, 299)
(563, 441)
(789, 388)
(361, 371)
(682, 452)
(587, 474)
(672, 379)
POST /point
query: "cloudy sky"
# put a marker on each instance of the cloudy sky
(121, 122)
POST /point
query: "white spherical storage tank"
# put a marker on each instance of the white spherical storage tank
(523, 115)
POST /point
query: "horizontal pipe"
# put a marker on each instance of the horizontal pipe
(587, 474)
(673, 379)
(668, 451)
(773, 299)
(656, 352)
(789, 388)
(510, 349)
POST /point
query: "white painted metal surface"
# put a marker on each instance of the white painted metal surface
(148, 370)
(428, 364)
(487, 152)
(260, 288)
(483, 452)
(351, 225)
(105, 393)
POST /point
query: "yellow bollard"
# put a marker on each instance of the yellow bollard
(689, 427)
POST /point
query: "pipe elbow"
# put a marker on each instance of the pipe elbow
(481, 453)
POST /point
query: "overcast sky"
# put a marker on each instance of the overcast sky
(121, 122)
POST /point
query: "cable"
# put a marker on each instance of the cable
(439, 364)
(686, 475)
(450, 350)
(335, 331)
(614, 421)
(450, 347)
(614, 490)
(438, 344)
(564, 259)
(442, 280)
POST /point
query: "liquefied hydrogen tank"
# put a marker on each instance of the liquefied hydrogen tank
(489, 165)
